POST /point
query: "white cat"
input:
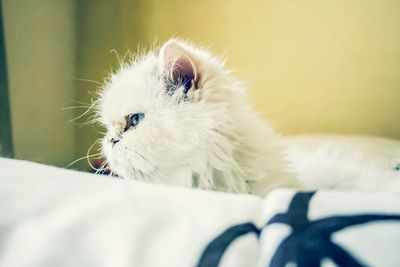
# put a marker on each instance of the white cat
(177, 116)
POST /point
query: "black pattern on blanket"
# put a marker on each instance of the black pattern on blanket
(310, 242)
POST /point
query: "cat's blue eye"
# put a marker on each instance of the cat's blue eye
(133, 120)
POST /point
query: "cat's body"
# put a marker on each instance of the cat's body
(362, 163)
(178, 117)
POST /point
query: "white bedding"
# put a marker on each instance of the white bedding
(56, 217)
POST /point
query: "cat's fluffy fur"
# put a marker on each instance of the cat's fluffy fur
(346, 162)
(208, 138)
(199, 130)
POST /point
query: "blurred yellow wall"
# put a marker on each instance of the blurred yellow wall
(311, 66)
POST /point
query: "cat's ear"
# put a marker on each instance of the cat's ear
(178, 65)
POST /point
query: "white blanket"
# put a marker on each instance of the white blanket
(56, 217)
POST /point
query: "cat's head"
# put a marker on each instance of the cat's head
(167, 115)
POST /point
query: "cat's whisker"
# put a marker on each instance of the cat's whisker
(73, 107)
(81, 103)
(82, 158)
(103, 168)
(90, 122)
(100, 132)
(88, 152)
(88, 80)
(102, 171)
(86, 112)
(88, 155)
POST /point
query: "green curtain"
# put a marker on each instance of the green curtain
(5, 125)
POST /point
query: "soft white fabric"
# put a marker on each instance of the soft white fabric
(56, 217)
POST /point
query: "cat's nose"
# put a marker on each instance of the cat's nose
(114, 141)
